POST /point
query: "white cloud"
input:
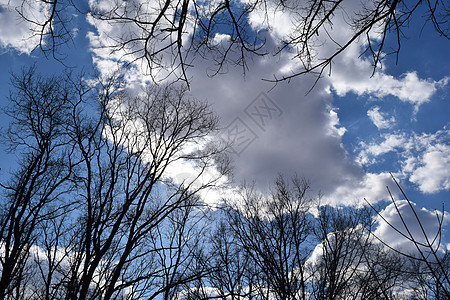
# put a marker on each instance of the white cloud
(433, 174)
(370, 186)
(220, 38)
(428, 221)
(379, 119)
(409, 88)
(371, 151)
(350, 72)
(424, 158)
(270, 16)
(335, 128)
(23, 36)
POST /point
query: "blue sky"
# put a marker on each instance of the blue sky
(345, 136)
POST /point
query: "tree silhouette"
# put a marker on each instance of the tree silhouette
(91, 210)
(166, 35)
(429, 262)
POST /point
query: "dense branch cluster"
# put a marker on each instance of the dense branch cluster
(163, 37)
(82, 217)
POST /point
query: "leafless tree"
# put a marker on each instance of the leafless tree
(163, 28)
(276, 249)
(93, 197)
(348, 263)
(261, 249)
(429, 262)
(125, 207)
(34, 194)
(165, 34)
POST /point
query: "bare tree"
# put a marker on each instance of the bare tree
(232, 267)
(261, 250)
(34, 194)
(165, 34)
(429, 262)
(94, 184)
(165, 29)
(125, 208)
(348, 263)
(274, 248)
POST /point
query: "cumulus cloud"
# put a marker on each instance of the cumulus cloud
(16, 33)
(354, 73)
(379, 119)
(370, 186)
(220, 38)
(425, 158)
(428, 220)
(433, 173)
(408, 88)
(335, 128)
(305, 139)
(270, 16)
(306, 136)
(302, 136)
(371, 151)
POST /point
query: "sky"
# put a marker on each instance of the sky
(345, 135)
